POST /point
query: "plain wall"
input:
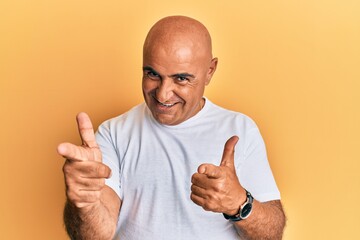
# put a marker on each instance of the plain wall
(293, 66)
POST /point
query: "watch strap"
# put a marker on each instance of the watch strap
(244, 211)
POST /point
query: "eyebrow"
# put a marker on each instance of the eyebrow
(184, 75)
(147, 68)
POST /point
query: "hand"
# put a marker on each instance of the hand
(217, 188)
(84, 171)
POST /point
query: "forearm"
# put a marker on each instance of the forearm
(94, 222)
(89, 225)
(267, 221)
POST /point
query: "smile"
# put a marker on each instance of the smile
(165, 104)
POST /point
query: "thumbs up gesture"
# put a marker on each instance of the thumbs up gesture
(217, 188)
(84, 171)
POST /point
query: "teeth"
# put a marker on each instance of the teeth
(164, 104)
(167, 105)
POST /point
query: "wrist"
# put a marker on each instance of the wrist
(83, 209)
(240, 200)
(244, 210)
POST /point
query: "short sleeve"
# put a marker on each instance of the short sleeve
(255, 173)
(110, 156)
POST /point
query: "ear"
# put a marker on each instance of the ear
(212, 69)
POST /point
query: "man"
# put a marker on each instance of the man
(146, 172)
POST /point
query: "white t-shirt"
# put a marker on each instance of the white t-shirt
(152, 165)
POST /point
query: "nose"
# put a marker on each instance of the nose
(164, 92)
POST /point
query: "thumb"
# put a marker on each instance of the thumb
(86, 130)
(229, 150)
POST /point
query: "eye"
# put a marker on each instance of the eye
(182, 79)
(152, 75)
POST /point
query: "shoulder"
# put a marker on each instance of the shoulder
(125, 120)
(230, 117)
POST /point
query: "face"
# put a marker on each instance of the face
(174, 80)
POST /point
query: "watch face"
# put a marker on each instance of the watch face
(246, 210)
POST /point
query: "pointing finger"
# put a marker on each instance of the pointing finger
(86, 130)
(229, 150)
(78, 153)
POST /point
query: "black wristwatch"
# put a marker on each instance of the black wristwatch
(245, 209)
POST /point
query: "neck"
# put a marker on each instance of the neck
(202, 103)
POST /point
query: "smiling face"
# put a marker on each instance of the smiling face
(176, 69)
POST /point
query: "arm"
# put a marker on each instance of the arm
(217, 189)
(94, 222)
(92, 208)
(267, 221)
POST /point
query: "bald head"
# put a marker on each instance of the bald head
(177, 65)
(175, 32)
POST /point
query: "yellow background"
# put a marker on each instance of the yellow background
(293, 66)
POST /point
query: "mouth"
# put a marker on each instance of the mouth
(167, 105)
